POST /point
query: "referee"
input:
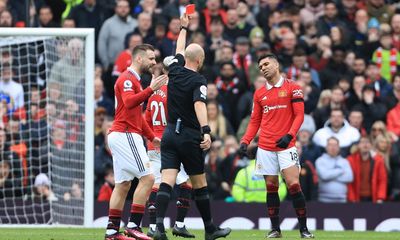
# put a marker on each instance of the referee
(187, 134)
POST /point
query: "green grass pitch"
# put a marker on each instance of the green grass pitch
(94, 234)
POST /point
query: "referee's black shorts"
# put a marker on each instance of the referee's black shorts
(182, 148)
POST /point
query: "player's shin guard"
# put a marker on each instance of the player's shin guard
(137, 212)
(203, 204)
(151, 207)
(163, 196)
(273, 205)
(183, 202)
(114, 220)
(299, 204)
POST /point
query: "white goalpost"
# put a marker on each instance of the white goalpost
(47, 125)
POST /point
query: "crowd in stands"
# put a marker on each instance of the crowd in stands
(345, 54)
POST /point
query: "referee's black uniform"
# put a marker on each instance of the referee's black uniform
(181, 140)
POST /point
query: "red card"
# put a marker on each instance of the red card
(190, 9)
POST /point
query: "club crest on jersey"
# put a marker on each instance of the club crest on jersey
(282, 93)
(127, 86)
(297, 93)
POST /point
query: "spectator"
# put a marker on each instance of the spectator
(242, 57)
(339, 128)
(218, 188)
(99, 118)
(329, 76)
(69, 23)
(213, 10)
(72, 62)
(320, 58)
(310, 151)
(42, 188)
(89, 14)
(75, 193)
(379, 127)
(46, 17)
(144, 28)
(124, 59)
(381, 86)
(386, 57)
(334, 173)
(167, 45)
(10, 87)
(220, 126)
(308, 176)
(378, 9)
(108, 186)
(321, 114)
(370, 177)
(245, 103)
(285, 54)
(372, 110)
(329, 19)
(324, 98)
(249, 187)
(216, 39)
(230, 88)
(310, 91)
(175, 8)
(113, 32)
(393, 120)
(355, 94)
(299, 62)
(6, 19)
(394, 96)
(313, 10)
(100, 99)
(338, 36)
(356, 119)
(395, 24)
(359, 66)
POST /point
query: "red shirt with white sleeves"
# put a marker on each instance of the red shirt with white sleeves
(277, 110)
(156, 113)
(129, 98)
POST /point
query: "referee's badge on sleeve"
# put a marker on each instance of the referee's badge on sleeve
(203, 91)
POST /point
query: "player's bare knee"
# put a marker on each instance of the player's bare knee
(294, 187)
(124, 186)
(148, 180)
(271, 181)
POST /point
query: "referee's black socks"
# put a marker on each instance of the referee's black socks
(163, 196)
(273, 205)
(183, 202)
(202, 199)
(299, 204)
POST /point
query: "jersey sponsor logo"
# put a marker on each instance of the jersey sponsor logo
(203, 91)
(297, 93)
(128, 86)
(269, 108)
(282, 93)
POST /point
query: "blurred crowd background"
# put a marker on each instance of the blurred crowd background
(344, 54)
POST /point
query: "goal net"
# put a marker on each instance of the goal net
(46, 126)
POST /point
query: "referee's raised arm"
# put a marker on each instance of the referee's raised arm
(181, 42)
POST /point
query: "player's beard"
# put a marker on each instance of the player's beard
(147, 69)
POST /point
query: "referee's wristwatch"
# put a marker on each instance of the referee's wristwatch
(205, 130)
(183, 27)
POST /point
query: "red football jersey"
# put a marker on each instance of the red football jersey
(277, 110)
(129, 98)
(156, 113)
(122, 62)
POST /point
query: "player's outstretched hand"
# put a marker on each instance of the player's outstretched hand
(158, 82)
(156, 142)
(284, 141)
(206, 143)
(242, 150)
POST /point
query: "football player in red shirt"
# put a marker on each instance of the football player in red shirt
(156, 117)
(126, 144)
(278, 111)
